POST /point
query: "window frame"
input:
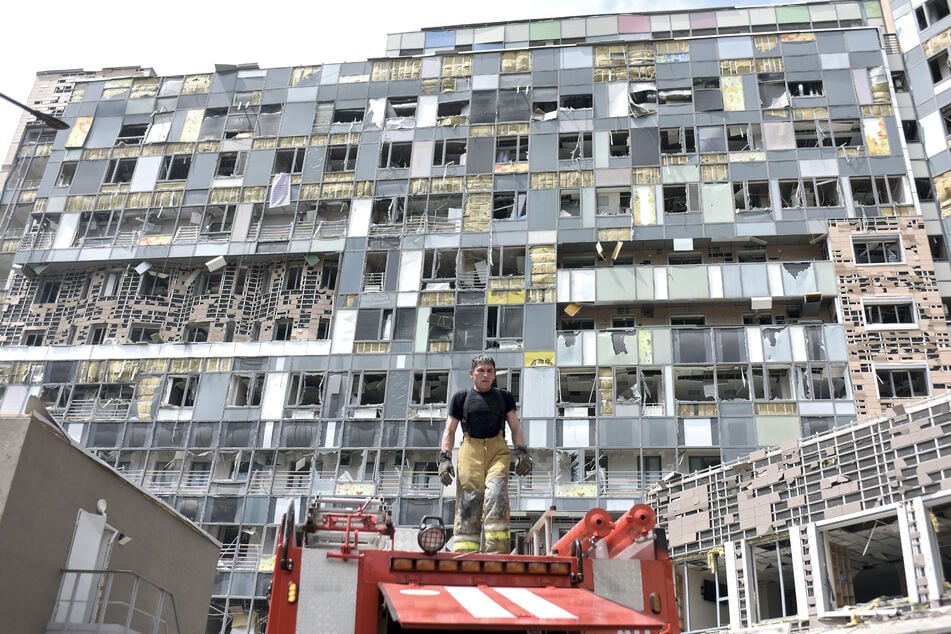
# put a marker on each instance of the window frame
(172, 165)
(159, 286)
(892, 370)
(189, 383)
(518, 154)
(873, 302)
(883, 240)
(393, 151)
(293, 158)
(346, 164)
(120, 171)
(444, 149)
(237, 168)
(250, 384)
(143, 333)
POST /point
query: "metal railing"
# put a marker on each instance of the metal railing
(161, 481)
(280, 482)
(331, 228)
(194, 482)
(94, 409)
(239, 557)
(111, 601)
(38, 240)
(424, 224)
(416, 483)
(373, 281)
(291, 482)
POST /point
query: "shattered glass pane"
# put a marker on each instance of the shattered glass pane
(798, 278)
(776, 345)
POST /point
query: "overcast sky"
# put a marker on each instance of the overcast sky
(179, 36)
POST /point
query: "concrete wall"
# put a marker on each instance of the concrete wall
(44, 481)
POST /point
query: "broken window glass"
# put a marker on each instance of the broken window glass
(231, 164)
(877, 250)
(515, 104)
(347, 115)
(693, 384)
(902, 382)
(120, 170)
(396, 154)
(776, 344)
(677, 141)
(504, 327)
(751, 196)
(508, 205)
(773, 566)
(341, 158)
(612, 201)
(511, 149)
(857, 574)
(574, 146)
(368, 388)
(430, 387)
(449, 152)
(744, 138)
(577, 387)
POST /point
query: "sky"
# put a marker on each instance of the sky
(176, 37)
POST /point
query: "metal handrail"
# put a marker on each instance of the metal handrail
(113, 597)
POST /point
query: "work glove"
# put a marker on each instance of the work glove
(523, 462)
(446, 472)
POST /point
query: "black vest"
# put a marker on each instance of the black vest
(483, 414)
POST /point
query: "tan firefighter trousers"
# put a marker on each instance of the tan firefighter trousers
(482, 497)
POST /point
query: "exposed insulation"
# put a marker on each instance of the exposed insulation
(516, 61)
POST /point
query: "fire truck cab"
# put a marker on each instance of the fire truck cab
(338, 572)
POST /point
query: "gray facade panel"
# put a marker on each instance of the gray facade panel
(259, 168)
(351, 272)
(543, 156)
(398, 384)
(278, 77)
(298, 119)
(368, 158)
(209, 404)
(540, 330)
(103, 132)
(543, 209)
(480, 155)
(863, 40)
(88, 178)
(202, 170)
(111, 107)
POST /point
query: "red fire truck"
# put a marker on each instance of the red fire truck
(604, 575)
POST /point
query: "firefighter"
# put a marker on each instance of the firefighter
(482, 502)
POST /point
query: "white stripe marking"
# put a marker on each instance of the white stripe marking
(531, 602)
(478, 604)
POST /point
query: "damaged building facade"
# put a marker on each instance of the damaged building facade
(851, 524)
(683, 236)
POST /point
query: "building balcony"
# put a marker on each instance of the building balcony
(280, 482)
(161, 481)
(95, 409)
(194, 482)
(239, 557)
(664, 345)
(691, 282)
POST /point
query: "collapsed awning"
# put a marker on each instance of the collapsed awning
(493, 608)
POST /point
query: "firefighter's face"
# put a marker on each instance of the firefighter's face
(483, 375)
